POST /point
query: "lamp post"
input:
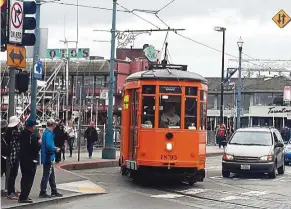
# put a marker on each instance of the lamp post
(221, 29)
(108, 151)
(238, 108)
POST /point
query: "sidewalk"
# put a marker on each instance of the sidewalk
(68, 183)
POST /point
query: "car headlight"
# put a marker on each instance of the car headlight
(227, 157)
(266, 158)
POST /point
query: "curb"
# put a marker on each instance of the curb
(88, 165)
(49, 201)
(214, 154)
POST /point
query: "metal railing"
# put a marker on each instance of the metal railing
(101, 129)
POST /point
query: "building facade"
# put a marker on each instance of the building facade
(261, 103)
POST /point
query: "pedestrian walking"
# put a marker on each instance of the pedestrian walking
(48, 151)
(91, 136)
(221, 136)
(71, 136)
(60, 137)
(29, 150)
(13, 139)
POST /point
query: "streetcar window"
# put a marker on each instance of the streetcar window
(191, 113)
(191, 91)
(148, 111)
(170, 111)
(149, 89)
(201, 95)
(203, 115)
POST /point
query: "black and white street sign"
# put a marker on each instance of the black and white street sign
(16, 21)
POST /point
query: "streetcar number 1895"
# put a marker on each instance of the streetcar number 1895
(168, 157)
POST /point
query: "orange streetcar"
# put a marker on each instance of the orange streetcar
(164, 124)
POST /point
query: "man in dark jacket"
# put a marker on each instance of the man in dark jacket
(91, 136)
(60, 136)
(29, 150)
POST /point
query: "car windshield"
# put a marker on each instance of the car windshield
(252, 138)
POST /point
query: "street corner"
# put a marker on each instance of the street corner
(83, 187)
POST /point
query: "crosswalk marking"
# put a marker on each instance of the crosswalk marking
(194, 191)
(255, 193)
(167, 196)
(228, 198)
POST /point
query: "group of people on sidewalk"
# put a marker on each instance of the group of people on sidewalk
(23, 142)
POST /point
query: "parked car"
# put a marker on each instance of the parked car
(254, 149)
(288, 153)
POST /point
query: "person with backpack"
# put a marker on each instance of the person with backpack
(221, 136)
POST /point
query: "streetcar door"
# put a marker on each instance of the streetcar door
(133, 122)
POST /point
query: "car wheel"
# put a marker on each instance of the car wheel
(281, 170)
(273, 174)
(225, 174)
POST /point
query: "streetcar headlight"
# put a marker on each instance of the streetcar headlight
(287, 149)
(169, 146)
(266, 158)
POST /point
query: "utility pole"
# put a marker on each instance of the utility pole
(108, 151)
(35, 59)
(221, 29)
(12, 76)
(238, 110)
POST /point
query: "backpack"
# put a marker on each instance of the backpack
(221, 133)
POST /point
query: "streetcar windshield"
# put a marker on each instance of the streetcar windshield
(170, 111)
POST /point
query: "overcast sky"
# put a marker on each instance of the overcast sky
(252, 20)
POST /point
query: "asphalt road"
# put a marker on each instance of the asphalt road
(215, 192)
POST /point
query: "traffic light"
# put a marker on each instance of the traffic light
(29, 23)
(4, 14)
(22, 81)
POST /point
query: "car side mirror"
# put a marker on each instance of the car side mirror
(279, 144)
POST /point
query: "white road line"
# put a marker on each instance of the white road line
(279, 179)
(194, 191)
(167, 196)
(255, 193)
(228, 198)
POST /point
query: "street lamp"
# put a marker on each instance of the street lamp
(221, 29)
(238, 110)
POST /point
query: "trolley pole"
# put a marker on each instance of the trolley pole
(35, 59)
(238, 110)
(108, 151)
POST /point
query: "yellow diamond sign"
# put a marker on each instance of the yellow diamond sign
(281, 18)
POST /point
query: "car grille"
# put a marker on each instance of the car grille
(246, 159)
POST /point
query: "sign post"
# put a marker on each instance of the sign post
(16, 22)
